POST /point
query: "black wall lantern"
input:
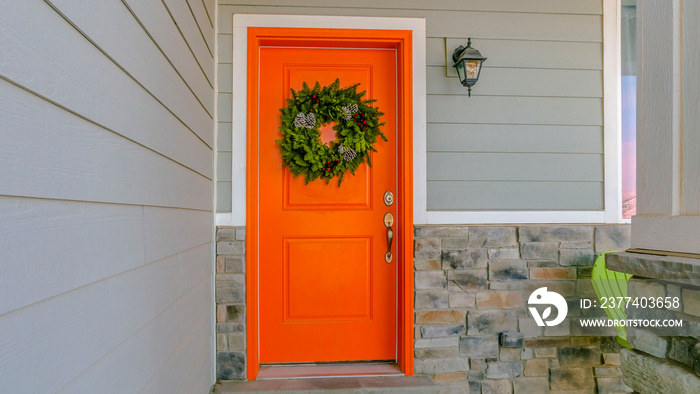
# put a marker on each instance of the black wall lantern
(468, 63)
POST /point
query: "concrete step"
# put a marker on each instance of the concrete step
(378, 384)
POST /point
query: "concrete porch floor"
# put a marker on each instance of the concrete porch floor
(355, 385)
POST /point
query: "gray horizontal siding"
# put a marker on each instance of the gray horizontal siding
(106, 118)
(447, 195)
(448, 166)
(451, 137)
(532, 130)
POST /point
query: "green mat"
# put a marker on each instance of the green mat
(609, 283)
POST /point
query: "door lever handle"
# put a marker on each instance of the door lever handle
(388, 222)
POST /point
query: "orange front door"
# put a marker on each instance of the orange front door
(326, 292)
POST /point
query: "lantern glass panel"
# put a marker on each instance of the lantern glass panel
(472, 68)
(460, 70)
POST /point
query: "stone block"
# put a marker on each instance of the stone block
(566, 288)
(426, 264)
(504, 254)
(648, 342)
(553, 342)
(529, 328)
(537, 367)
(509, 354)
(504, 370)
(545, 352)
(440, 352)
(553, 273)
(441, 231)
(430, 280)
(541, 263)
(230, 247)
(240, 234)
(499, 299)
(477, 364)
(526, 354)
(555, 233)
(431, 299)
(467, 280)
(540, 251)
(607, 371)
(492, 237)
(507, 270)
(609, 345)
(512, 339)
(502, 386)
(576, 245)
(579, 357)
(462, 300)
(226, 234)
(441, 317)
(220, 266)
(230, 327)
(584, 272)
(490, 322)
(233, 264)
(615, 238)
(645, 288)
(438, 366)
(476, 375)
(436, 342)
(571, 379)
(474, 387)
(486, 346)
(221, 313)
(221, 344)
(681, 350)
(576, 257)
(531, 386)
(510, 285)
(611, 358)
(463, 258)
(236, 342)
(691, 302)
(235, 313)
(586, 341)
(449, 377)
(454, 243)
(230, 365)
(230, 288)
(442, 331)
(652, 375)
(585, 289)
(426, 245)
(612, 385)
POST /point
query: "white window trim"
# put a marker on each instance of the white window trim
(421, 215)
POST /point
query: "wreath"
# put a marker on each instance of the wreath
(357, 128)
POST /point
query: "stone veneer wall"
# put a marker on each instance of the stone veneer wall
(469, 282)
(230, 303)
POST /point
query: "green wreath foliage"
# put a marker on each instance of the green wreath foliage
(357, 128)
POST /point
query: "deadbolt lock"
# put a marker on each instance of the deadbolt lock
(388, 198)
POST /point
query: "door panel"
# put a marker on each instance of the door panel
(326, 292)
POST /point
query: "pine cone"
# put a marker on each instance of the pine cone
(349, 155)
(308, 121)
(349, 110)
(300, 120)
(341, 149)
